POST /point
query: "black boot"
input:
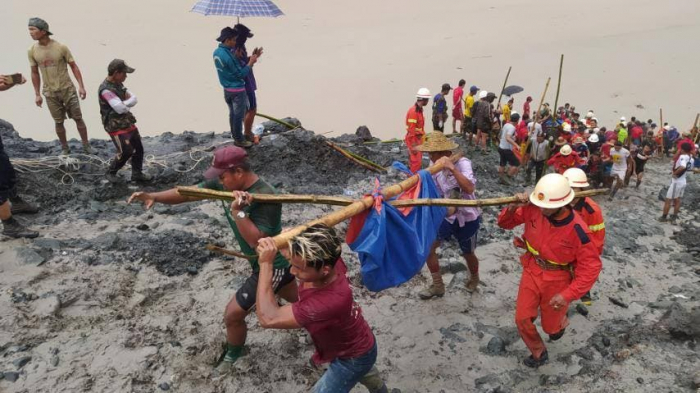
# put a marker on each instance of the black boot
(557, 336)
(140, 177)
(13, 228)
(20, 206)
(535, 363)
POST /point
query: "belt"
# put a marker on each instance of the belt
(543, 263)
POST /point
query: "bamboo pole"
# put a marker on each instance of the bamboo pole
(480, 202)
(695, 128)
(203, 193)
(363, 162)
(662, 130)
(284, 123)
(232, 253)
(539, 107)
(357, 207)
(556, 99)
(505, 82)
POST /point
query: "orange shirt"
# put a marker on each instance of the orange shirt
(592, 215)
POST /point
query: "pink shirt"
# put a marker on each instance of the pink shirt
(446, 182)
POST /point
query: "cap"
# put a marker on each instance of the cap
(225, 158)
(242, 30)
(40, 24)
(446, 86)
(118, 65)
(226, 33)
(490, 96)
(474, 89)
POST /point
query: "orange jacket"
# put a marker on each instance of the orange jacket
(562, 242)
(561, 162)
(592, 215)
(414, 125)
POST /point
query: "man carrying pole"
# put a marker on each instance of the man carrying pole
(250, 222)
(455, 181)
(557, 243)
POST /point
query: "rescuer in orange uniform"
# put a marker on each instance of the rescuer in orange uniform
(589, 211)
(560, 264)
(565, 159)
(415, 132)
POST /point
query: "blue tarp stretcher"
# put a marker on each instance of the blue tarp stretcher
(394, 243)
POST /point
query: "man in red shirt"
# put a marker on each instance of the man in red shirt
(415, 123)
(636, 133)
(326, 309)
(526, 106)
(457, 110)
(557, 243)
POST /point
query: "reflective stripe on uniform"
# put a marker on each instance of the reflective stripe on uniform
(536, 253)
(412, 121)
(596, 228)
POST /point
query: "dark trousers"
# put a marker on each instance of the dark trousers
(539, 169)
(8, 178)
(128, 147)
(237, 107)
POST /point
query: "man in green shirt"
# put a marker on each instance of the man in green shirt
(250, 222)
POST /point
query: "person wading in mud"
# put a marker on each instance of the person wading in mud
(590, 212)
(456, 181)
(560, 264)
(115, 108)
(326, 310)
(681, 166)
(10, 202)
(250, 222)
(415, 131)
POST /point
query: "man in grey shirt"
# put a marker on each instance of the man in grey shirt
(505, 150)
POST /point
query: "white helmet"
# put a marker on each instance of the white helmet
(589, 114)
(623, 120)
(576, 177)
(423, 93)
(565, 150)
(551, 192)
(593, 138)
(483, 94)
(567, 127)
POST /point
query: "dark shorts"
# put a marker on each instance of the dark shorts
(245, 296)
(507, 156)
(466, 236)
(8, 179)
(252, 99)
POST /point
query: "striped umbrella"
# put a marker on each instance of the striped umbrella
(238, 8)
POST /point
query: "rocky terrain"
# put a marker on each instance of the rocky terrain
(115, 298)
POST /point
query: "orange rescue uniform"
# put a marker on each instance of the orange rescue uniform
(560, 258)
(592, 215)
(414, 136)
(561, 162)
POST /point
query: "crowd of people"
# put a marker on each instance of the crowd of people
(562, 242)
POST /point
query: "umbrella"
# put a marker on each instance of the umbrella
(238, 8)
(512, 89)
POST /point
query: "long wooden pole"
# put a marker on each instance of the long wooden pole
(695, 128)
(556, 99)
(480, 202)
(539, 107)
(202, 193)
(662, 130)
(357, 207)
(505, 82)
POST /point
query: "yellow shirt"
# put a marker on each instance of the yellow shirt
(468, 104)
(52, 60)
(506, 113)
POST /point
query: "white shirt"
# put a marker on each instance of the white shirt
(683, 161)
(507, 130)
(619, 159)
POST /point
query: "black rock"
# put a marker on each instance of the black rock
(164, 386)
(496, 346)
(20, 362)
(11, 376)
(606, 342)
(581, 309)
(142, 227)
(640, 380)
(192, 270)
(618, 302)
(363, 133)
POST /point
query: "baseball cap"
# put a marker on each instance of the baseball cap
(40, 24)
(225, 158)
(474, 89)
(226, 33)
(118, 65)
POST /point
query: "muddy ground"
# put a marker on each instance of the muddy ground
(115, 298)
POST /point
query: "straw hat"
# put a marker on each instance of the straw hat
(437, 141)
(560, 141)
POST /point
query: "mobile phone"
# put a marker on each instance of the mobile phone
(16, 78)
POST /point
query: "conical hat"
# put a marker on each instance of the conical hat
(437, 141)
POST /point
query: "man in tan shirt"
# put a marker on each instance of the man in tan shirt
(49, 60)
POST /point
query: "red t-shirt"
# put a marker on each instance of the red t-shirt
(457, 96)
(521, 132)
(605, 149)
(637, 132)
(526, 108)
(333, 320)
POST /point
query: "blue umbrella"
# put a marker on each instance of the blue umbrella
(238, 8)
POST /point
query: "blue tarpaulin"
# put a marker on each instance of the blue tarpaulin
(393, 246)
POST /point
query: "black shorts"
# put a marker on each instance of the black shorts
(467, 126)
(246, 294)
(8, 179)
(507, 156)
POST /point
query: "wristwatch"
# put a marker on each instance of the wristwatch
(240, 215)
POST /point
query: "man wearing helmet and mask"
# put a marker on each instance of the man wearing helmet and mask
(415, 131)
(557, 243)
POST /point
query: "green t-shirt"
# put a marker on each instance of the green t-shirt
(622, 135)
(266, 216)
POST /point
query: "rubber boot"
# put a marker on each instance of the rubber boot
(20, 206)
(436, 289)
(140, 177)
(13, 228)
(535, 363)
(473, 281)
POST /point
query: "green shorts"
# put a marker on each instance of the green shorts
(64, 104)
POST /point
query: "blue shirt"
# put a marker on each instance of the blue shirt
(231, 73)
